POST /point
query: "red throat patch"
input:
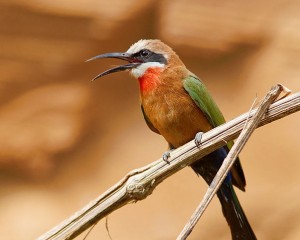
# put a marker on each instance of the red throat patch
(150, 79)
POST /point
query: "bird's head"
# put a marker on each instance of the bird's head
(143, 57)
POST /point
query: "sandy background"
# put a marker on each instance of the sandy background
(65, 140)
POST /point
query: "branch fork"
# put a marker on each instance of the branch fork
(140, 183)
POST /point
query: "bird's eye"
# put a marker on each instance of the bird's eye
(145, 53)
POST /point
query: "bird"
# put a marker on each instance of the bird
(177, 105)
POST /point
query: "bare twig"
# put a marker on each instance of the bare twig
(248, 129)
(140, 183)
(89, 231)
(107, 229)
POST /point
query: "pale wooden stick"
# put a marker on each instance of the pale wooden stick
(140, 183)
(248, 129)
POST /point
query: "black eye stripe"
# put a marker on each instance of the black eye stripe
(145, 55)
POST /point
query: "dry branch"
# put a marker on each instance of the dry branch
(140, 183)
(228, 162)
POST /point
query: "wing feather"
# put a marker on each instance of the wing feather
(198, 92)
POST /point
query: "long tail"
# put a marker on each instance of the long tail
(234, 214)
(232, 210)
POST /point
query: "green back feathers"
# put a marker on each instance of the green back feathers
(198, 92)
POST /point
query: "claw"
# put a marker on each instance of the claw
(198, 138)
(166, 156)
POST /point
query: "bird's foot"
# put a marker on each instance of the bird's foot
(167, 155)
(198, 138)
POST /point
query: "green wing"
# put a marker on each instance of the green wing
(198, 92)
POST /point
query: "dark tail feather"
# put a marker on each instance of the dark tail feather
(234, 214)
(232, 210)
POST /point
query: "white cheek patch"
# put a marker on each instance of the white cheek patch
(141, 69)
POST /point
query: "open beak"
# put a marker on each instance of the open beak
(133, 62)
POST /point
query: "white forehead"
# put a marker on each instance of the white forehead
(141, 44)
(153, 45)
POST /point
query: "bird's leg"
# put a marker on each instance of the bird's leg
(198, 138)
(167, 155)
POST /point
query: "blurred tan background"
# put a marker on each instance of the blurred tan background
(65, 140)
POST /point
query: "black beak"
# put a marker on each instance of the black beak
(133, 62)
